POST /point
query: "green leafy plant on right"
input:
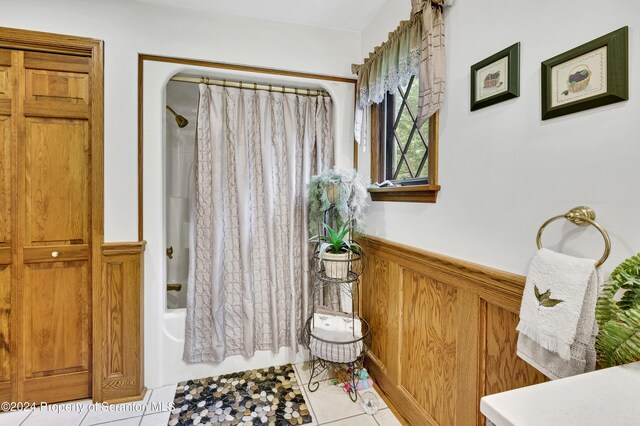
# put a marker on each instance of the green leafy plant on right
(618, 316)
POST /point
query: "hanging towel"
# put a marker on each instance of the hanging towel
(583, 353)
(555, 296)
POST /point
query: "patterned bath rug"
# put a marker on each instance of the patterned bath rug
(265, 396)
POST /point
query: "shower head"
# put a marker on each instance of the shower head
(180, 120)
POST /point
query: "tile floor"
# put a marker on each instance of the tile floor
(329, 406)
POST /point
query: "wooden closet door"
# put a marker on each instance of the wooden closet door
(54, 222)
(7, 191)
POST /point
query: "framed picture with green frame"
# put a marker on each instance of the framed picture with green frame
(496, 78)
(588, 76)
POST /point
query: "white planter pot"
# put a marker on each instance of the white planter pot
(336, 265)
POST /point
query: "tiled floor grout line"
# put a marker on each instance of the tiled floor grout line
(124, 418)
(25, 419)
(308, 400)
(344, 418)
(306, 394)
(85, 415)
(376, 420)
(111, 421)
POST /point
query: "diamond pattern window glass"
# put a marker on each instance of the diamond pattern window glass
(405, 146)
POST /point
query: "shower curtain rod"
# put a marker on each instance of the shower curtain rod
(254, 86)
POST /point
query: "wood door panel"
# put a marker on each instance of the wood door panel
(57, 62)
(53, 86)
(5, 57)
(57, 181)
(6, 181)
(429, 326)
(51, 214)
(5, 255)
(66, 387)
(5, 322)
(6, 87)
(57, 318)
(67, 253)
(503, 369)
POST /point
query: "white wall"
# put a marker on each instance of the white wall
(129, 28)
(503, 171)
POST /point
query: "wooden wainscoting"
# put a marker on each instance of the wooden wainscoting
(119, 324)
(443, 332)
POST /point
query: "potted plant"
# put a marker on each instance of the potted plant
(335, 250)
(618, 316)
(339, 188)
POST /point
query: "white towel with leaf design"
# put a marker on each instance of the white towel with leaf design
(554, 297)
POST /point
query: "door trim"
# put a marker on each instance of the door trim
(16, 39)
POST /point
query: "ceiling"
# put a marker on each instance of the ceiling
(352, 15)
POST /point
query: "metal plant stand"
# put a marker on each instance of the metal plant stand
(328, 352)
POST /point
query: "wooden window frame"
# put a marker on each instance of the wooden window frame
(425, 193)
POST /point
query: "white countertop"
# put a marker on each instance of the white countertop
(603, 397)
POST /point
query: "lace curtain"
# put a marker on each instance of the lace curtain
(416, 47)
(249, 276)
(388, 66)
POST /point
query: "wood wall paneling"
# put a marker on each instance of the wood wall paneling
(428, 350)
(443, 332)
(503, 369)
(121, 323)
(377, 293)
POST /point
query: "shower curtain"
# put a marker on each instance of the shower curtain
(249, 275)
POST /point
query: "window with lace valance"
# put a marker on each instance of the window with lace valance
(399, 92)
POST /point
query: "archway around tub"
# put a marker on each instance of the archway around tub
(164, 328)
(182, 96)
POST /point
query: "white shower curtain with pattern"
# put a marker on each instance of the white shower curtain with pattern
(249, 276)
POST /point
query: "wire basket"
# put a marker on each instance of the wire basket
(343, 348)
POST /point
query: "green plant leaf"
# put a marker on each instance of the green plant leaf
(544, 299)
(618, 339)
(550, 303)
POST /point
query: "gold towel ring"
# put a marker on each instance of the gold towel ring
(581, 216)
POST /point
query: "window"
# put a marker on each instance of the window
(402, 152)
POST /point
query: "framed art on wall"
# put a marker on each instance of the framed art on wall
(591, 75)
(496, 78)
